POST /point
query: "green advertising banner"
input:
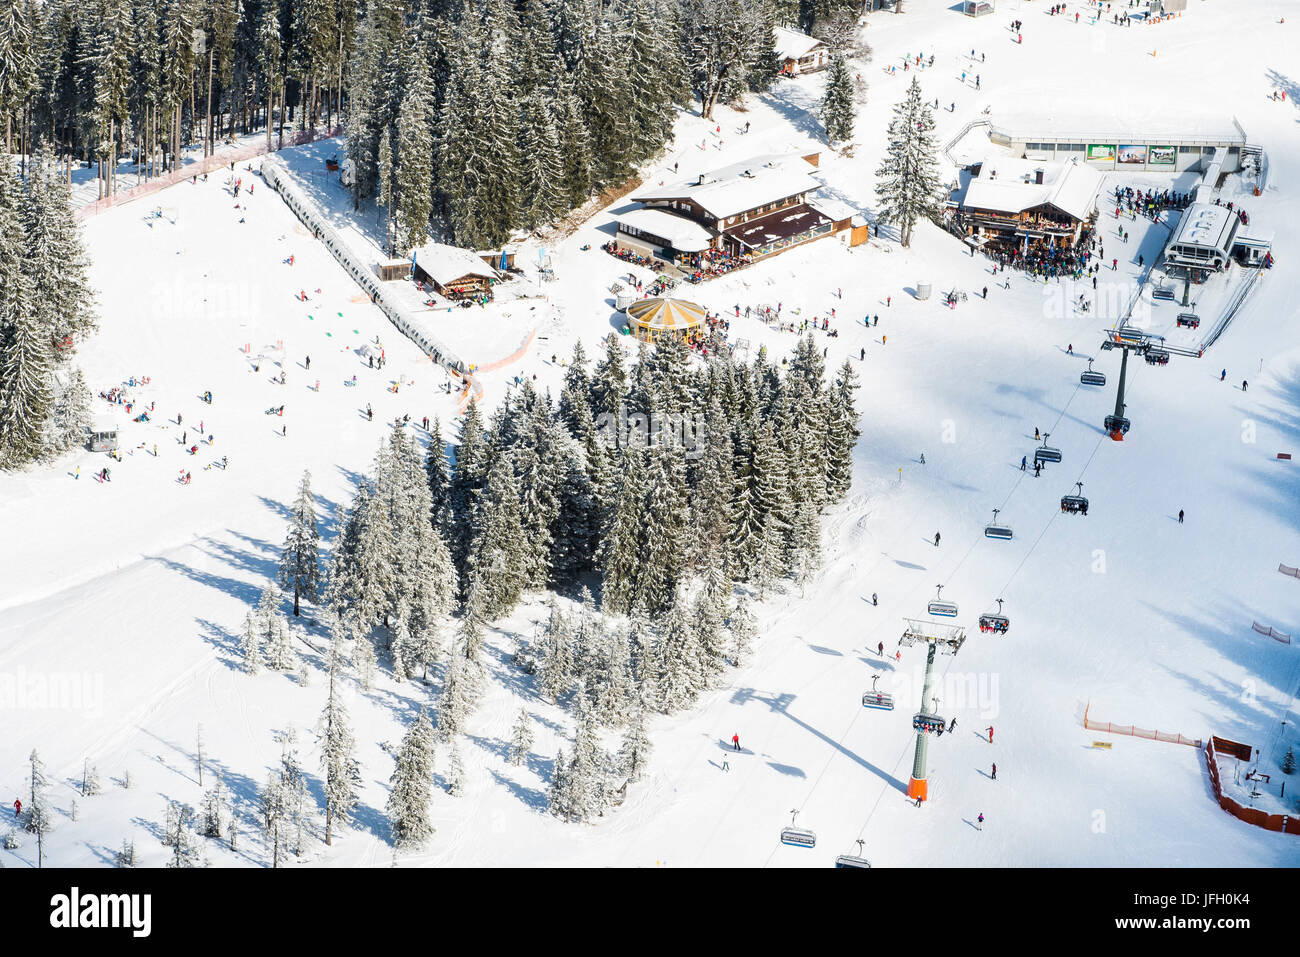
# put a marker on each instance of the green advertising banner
(1101, 151)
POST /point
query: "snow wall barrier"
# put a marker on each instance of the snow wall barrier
(279, 179)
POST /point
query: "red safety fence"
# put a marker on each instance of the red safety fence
(1169, 737)
(199, 168)
(1285, 823)
(1271, 632)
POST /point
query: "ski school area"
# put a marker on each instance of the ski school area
(1112, 638)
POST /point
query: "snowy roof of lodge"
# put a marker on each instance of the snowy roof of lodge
(833, 208)
(1204, 224)
(1135, 126)
(742, 186)
(1006, 185)
(445, 264)
(791, 44)
(103, 423)
(685, 235)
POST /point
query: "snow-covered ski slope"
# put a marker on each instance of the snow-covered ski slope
(133, 592)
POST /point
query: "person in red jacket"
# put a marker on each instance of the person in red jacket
(990, 734)
(18, 807)
(735, 741)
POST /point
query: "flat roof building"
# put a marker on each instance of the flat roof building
(1203, 240)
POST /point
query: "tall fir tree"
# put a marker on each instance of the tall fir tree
(300, 558)
(907, 183)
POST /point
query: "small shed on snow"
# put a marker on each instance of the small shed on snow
(103, 434)
(800, 53)
(453, 272)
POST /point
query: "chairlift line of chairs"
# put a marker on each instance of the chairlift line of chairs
(1116, 423)
(994, 530)
(1157, 357)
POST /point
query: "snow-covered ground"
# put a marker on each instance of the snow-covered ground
(131, 593)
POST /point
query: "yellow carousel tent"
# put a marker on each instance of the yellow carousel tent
(652, 318)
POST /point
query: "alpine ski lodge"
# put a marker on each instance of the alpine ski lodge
(736, 215)
(1016, 201)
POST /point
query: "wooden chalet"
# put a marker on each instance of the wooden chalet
(453, 273)
(1020, 201)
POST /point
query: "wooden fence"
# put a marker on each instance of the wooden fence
(1136, 732)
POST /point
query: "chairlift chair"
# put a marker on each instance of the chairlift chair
(1189, 319)
(994, 530)
(1116, 423)
(853, 860)
(1089, 377)
(1157, 357)
(943, 609)
(797, 836)
(1075, 503)
(998, 624)
(877, 700)
(1046, 453)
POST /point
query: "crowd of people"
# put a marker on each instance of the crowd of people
(1149, 203)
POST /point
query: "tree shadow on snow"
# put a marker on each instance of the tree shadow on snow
(530, 797)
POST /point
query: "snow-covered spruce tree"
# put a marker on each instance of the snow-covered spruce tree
(250, 645)
(907, 182)
(838, 108)
(70, 414)
(711, 500)
(557, 671)
(771, 494)
(710, 611)
(18, 64)
(588, 771)
(178, 835)
(293, 788)
(273, 804)
(126, 856)
(841, 433)
(521, 738)
(214, 805)
(575, 531)
(497, 552)
(455, 770)
(362, 578)
(723, 41)
(338, 763)
(743, 631)
(277, 640)
(664, 531)
(557, 795)
(414, 172)
(90, 784)
(39, 819)
(1288, 762)
(412, 784)
(609, 380)
(455, 698)
(56, 263)
(678, 675)
(541, 197)
(300, 558)
(616, 691)
(621, 547)
(26, 360)
(437, 475)
(634, 751)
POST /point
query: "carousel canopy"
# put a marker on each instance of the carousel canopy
(661, 315)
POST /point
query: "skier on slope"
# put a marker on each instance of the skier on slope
(990, 730)
(735, 742)
(873, 604)
(1024, 462)
(936, 539)
(880, 649)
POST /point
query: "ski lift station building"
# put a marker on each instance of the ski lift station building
(1203, 240)
(1157, 142)
(103, 434)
